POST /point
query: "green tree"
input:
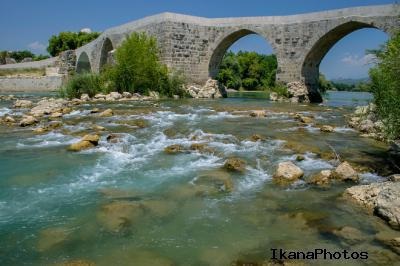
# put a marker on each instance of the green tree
(248, 71)
(69, 41)
(138, 68)
(385, 85)
(324, 84)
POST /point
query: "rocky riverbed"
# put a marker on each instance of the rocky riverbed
(189, 182)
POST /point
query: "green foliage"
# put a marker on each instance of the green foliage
(280, 89)
(69, 41)
(324, 84)
(80, 84)
(248, 71)
(386, 86)
(20, 55)
(138, 68)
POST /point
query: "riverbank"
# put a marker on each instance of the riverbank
(184, 181)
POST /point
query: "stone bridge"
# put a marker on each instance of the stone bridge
(196, 45)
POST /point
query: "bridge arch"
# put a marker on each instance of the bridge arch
(83, 64)
(324, 43)
(106, 48)
(222, 45)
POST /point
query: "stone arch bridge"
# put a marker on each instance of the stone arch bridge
(196, 45)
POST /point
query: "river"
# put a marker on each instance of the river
(130, 203)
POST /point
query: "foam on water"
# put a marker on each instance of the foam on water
(4, 111)
(47, 140)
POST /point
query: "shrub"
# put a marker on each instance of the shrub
(385, 85)
(83, 83)
(138, 68)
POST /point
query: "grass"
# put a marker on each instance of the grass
(35, 72)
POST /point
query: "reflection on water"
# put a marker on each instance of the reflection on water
(131, 203)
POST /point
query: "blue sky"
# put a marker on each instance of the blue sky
(26, 24)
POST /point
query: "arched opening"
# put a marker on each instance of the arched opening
(83, 64)
(245, 61)
(105, 50)
(344, 45)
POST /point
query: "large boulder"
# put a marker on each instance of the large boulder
(215, 181)
(345, 172)
(298, 92)
(174, 149)
(212, 89)
(382, 199)
(322, 178)
(286, 173)
(258, 113)
(48, 106)
(23, 104)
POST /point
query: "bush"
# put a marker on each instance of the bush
(280, 89)
(83, 83)
(385, 85)
(138, 68)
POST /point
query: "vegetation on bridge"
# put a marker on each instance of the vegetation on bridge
(20, 55)
(138, 70)
(386, 86)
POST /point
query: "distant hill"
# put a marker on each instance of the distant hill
(349, 81)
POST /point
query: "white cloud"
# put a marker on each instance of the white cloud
(356, 60)
(37, 47)
(86, 30)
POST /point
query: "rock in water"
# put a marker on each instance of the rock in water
(173, 149)
(235, 165)
(327, 128)
(28, 121)
(212, 89)
(382, 199)
(287, 172)
(23, 104)
(322, 178)
(87, 142)
(345, 172)
(106, 113)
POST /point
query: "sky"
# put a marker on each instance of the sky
(27, 24)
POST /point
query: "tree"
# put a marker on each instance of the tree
(324, 84)
(248, 70)
(69, 41)
(385, 85)
(138, 68)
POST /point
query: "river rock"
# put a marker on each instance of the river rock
(56, 115)
(258, 113)
(366, 126)
(51, 237)
(8, 119)
(98, 128)
(28, 121)
(100, 96)
(256, 138)
(350, 235)
(326, 128)
(119, 216)
(173, 149)
(212, 89)
(390, 240)
(201, 147)
(154, 95)
(48, 106)
(113, 138)
(87, 142)
(345, 172)
(85, 97)
(217, 180)
(287, 172)
(273, 96)
(23, 104)
(383, 199)
(235, 165)
(322, 178)
(395, 178)
(127, 94)
(106, 113)
(115, 95)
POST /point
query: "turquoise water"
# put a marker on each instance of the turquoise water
(130, 203)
